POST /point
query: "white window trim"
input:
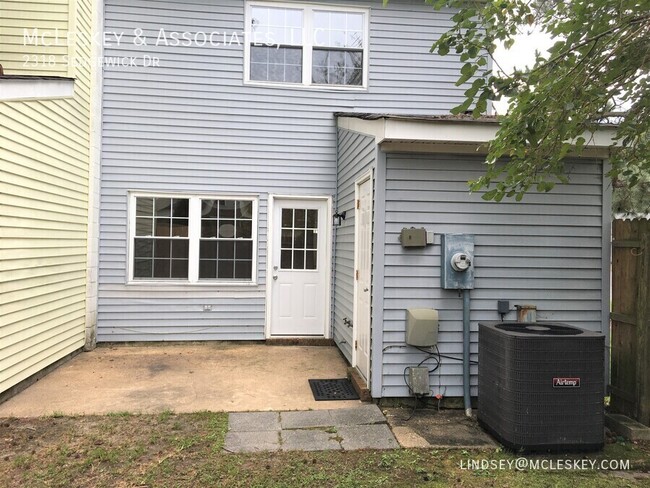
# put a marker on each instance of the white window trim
(307, 45)
(194, 236)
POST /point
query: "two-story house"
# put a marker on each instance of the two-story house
(46, 185)
(260, 159)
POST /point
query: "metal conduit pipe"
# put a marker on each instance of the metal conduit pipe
(466, 362)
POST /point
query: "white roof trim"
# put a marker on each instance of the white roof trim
(458, 136)
(21, 89)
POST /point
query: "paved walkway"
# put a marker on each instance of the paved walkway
(362, 427)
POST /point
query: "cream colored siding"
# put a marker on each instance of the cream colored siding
(44, 161)
(55, 18)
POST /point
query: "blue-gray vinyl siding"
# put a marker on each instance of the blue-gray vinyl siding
(545, 250)
(192, 126)
(356, 157)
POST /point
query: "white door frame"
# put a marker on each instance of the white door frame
(362, 179)
(269, 257)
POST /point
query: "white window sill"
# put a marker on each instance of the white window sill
(300, 86)
(24, 88)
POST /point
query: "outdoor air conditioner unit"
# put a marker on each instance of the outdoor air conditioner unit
(541, 386)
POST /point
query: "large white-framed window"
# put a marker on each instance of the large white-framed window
(306, 45)
(195, 239)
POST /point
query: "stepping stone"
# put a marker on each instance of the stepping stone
(367, 437)
(254, 422)
(309, 440)
(252, 441)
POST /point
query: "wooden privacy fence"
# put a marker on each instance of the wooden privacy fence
(630, 334)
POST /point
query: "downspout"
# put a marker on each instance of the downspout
(466, 362)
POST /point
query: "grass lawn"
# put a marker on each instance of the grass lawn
(170, 450)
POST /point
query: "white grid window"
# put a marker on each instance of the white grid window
(193, 239)
(306, 45)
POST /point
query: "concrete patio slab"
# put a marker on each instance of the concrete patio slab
(363, 427)
(377, 436)
(305, 420)
(252, 441)
(361, 415)
(216, 376)
(309, 440)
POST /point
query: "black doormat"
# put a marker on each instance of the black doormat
(333, 390)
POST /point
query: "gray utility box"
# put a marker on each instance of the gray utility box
(457, 261)
(422, 327)
(413, 237)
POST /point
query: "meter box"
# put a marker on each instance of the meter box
(457, 261)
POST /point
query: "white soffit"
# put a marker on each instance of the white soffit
(400, 134)
(26, 88)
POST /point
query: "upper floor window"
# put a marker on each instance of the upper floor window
(306, 45)
(193, 239)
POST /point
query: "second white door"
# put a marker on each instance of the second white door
(363, 276)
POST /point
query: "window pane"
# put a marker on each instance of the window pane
(208, 228)
(143, 268)
(162, 248)
(225, 269)
(299, 239)
(285, 259)
(227, 228)
(243, 270)
(226, 250)
(310, 259)
(209, 209)
(143, 248)
(180, 249)
(311, 239)
(337, 67)
(161, 268)
(180, 207)
(287, 217)
(208, 250)
(207, 269)
(286, 238)
(144, 206)
(143, 226)
(259, 72)
(227, 209)
(179, 268)
(312, 219)
(162, 227)
(276, 25)
(244, 229)
(298, 259)
(163, 207)
(354, 22)
(180, 227)
(300, 217)
(276, 64)
(244, 250)
(244, 210)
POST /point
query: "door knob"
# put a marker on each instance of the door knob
(365, 289)
(275, 277)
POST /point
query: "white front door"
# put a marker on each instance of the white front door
(362, 259)
(299, 267)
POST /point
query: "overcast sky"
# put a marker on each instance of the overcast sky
(520, 55)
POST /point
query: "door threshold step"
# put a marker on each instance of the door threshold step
(299, 341)
(359, 384)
